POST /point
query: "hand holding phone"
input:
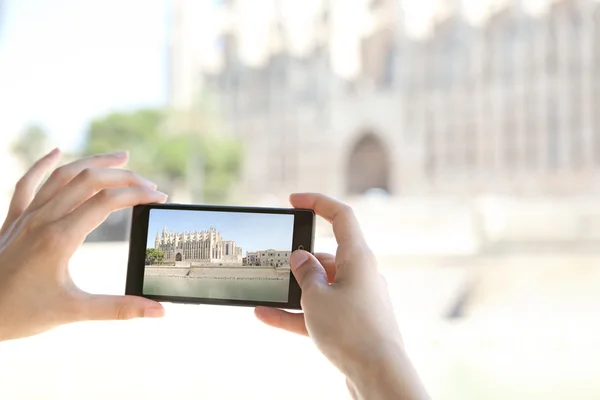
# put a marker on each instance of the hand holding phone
(347, 310)
(45, 227)
(217, 255)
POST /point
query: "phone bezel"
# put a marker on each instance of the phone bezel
(303, 235)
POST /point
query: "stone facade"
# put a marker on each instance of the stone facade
(268, 258)
(198, 247)
(507, 105)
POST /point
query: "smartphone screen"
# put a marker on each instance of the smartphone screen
(222, 255)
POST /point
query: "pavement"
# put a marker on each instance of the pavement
(520, 327)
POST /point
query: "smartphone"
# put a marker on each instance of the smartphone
(217, 255)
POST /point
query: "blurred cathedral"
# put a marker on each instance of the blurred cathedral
(346, 97)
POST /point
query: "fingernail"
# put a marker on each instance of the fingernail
(154, 312)
(163, 195)
(54, 152)
(121, 154)
(298, 258)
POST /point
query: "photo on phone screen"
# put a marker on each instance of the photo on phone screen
(218, 255)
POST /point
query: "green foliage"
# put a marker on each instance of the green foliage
(168, 158)
(30, 145)
(152, 153)
(154, 256)
(222, 163)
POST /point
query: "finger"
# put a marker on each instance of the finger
(89, 182)
(307, 270)
(328, 262)
(353, 252)
(63, 175)
(291, 322)
(27, 185)
(93, 212)
(104, 307)
(345, 225)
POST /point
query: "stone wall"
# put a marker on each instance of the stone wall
(205, 264)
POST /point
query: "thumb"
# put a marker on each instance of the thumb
(307, 269)
(103, 307)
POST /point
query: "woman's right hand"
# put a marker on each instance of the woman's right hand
(347, 309)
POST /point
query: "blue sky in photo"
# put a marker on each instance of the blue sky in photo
(250, 231)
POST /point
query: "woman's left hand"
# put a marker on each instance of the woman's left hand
(44, 229)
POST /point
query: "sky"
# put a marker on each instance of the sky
(250, 231)
(64, 62)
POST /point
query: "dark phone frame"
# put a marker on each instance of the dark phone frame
(303, 237)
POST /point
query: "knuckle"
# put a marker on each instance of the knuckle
(105, 195)
(129, 174)
(88, 174)
(60, 174)
(90, 178)
(310, 275)
(346, 210)
(123, 313)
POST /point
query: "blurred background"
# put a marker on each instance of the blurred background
(465, 134)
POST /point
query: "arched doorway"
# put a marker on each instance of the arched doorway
(368, 166)
(178, 257)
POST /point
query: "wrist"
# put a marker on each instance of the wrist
(386, 373)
